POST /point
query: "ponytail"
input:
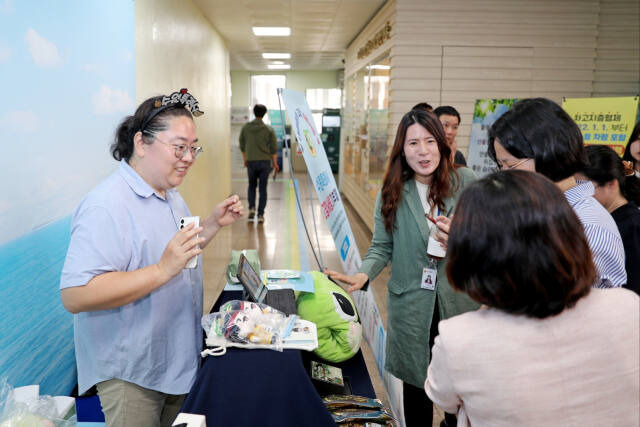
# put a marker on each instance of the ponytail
(122, 146)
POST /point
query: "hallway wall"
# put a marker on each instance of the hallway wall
(452, 53)
(177, 47)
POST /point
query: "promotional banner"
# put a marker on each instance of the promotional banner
(310, 144)
(485, 113)
(604, 121)
(312, 150)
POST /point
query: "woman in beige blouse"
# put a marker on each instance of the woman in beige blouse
(546, 348)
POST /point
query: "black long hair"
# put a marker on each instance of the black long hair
(398, 170)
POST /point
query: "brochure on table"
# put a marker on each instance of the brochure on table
(280, 279)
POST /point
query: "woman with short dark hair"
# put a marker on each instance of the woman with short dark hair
(538, 135)
(419, 181)
(546, 348)
(618, 191)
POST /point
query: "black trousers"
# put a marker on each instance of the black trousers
(418, 408)
(258, 171)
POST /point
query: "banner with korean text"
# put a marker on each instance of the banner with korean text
(312, 149)
(604, 121)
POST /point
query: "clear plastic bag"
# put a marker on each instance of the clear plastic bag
(38, 412)
(244, 324)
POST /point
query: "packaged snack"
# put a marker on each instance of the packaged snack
(340, 401)
(361, 414)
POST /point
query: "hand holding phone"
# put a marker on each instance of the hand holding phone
(184, 221)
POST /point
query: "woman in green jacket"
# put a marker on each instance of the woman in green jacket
(420, 181)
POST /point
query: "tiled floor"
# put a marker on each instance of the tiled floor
(274, 239)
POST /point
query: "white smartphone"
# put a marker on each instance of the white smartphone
(184, 221)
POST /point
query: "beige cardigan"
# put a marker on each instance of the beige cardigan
(579, 368)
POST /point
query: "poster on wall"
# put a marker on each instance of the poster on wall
(604, 121)
(314, 155)
(485, 113)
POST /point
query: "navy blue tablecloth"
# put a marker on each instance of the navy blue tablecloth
(264, 387)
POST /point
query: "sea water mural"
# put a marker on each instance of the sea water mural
(67, 82)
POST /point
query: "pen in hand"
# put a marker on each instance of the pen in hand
(430, 218)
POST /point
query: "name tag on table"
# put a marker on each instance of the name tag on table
(429, 278)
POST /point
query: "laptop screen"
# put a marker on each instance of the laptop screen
(250, 280)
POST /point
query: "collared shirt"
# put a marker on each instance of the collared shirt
(124, 225)
(602, 234)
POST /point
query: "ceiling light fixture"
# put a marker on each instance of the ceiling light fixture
(277, 62)
(276, 55)
(272, 31)
(279, 66)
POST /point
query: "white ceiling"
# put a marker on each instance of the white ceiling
(320, 29)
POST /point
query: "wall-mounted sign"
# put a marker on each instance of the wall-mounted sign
(378, 40)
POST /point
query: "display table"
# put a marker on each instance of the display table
(264, 387)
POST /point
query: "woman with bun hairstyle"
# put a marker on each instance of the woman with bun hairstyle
(136, 305)
(618, 190)
(419, 181)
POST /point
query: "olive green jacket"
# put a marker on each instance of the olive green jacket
(409, 307)
(258, 141)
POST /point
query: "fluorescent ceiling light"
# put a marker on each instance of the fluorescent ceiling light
(276, 55)
(272, 31)
(277, 62)
(379, 67)
(279, 66)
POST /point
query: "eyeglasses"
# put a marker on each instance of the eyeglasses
(502, 168)
(182, 149)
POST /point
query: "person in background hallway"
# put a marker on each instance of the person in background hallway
(632, 151)
(450, 119)
(539, 136)
(418, 181)
(618, 190)
(137, 309)
(546, 349)
(259, 152)
(423, 106)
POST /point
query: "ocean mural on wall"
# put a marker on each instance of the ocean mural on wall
(67, 82)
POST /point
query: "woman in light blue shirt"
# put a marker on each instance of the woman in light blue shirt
(137, 308)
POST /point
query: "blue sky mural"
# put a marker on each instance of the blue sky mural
(69, 76)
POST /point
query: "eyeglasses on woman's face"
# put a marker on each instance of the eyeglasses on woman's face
(502, 167)
(181, 150)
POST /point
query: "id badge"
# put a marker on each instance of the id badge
(429, 278)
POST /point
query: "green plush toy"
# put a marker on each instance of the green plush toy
(334, 313)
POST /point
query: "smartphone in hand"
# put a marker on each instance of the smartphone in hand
(184, 221)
